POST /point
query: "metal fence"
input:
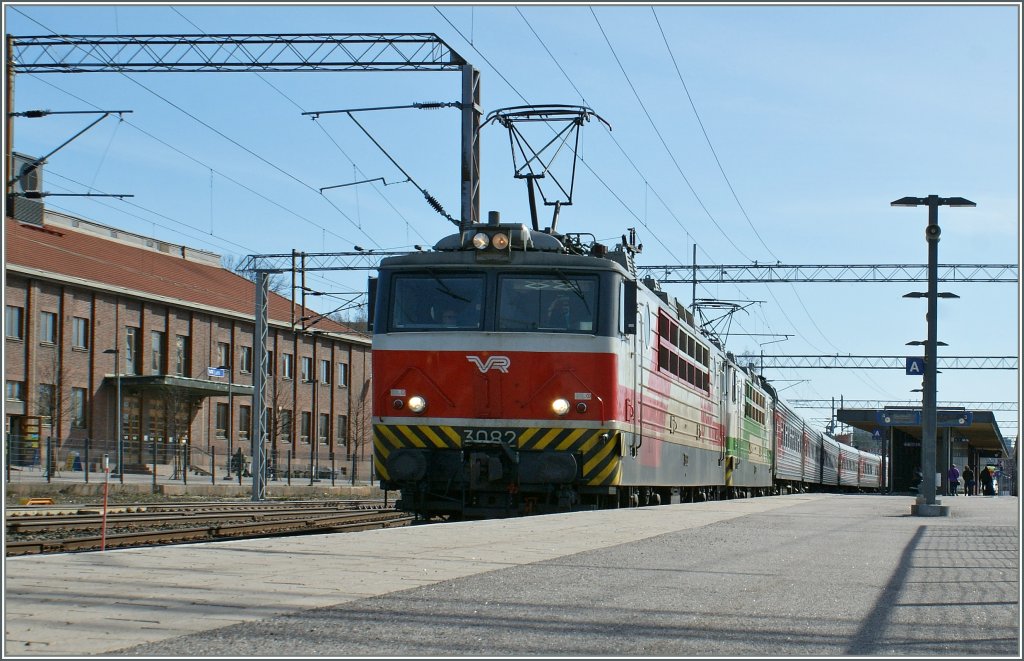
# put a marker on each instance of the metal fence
(29, 458)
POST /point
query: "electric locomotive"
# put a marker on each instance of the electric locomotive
(519, 371)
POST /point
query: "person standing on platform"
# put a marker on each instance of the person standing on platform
(986, 481)
(954, 479)
(968, 481)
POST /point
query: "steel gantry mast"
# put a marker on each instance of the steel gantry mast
(768, 273)
(262, 53)
(877, 362)
(70, 54)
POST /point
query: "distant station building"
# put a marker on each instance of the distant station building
(964, 438)
(91, 311)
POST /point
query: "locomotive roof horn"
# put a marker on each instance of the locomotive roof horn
(533, 164)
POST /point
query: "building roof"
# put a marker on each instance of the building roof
(175, 274)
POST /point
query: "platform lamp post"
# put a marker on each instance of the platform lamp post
(926, 503)
(226, 369)
(120, 443)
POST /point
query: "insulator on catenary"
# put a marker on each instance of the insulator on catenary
(434, 203)
(433, 105)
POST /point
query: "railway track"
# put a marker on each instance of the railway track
(34, 530)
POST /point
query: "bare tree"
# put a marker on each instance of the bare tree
(354, 318)
(275, 283)
(361, 427)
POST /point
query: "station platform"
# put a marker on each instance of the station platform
(798, 575)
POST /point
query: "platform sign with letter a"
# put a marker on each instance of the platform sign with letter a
(915, 366)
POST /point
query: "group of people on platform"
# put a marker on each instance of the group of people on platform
(985, 477)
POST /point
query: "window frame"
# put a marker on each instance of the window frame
(245, 360)
(79, 408)
(47, 331)
(14, 315)
(80, 333)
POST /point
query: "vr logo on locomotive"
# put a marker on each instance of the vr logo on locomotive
(500, 363)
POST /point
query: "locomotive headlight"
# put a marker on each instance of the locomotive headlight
(500, 241)
(417, 404)
(560, 406)
(481, 241)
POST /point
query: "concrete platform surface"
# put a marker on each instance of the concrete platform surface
(818, 575)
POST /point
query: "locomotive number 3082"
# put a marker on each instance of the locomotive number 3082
(490, 435)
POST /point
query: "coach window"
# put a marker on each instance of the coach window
(435, 301)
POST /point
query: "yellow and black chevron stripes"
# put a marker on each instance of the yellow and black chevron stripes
(601, 463)
(388, 438)
(597, 447)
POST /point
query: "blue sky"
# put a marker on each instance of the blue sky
(809, 121)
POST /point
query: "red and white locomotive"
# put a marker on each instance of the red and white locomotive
(519, 371)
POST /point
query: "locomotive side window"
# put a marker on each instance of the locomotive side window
(681, 355)
(428, 302)
(550, 303)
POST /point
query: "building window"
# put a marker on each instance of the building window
(287, 366)
(15, 391)
(78, 419)
(79, 333)
(46, 400)
(48, 327)
(14, 323)
(246, 363)
(223, 355)
(307, 369)
(221, 425)
(284, 423)
(131, 346)
(325, 423)
(156, 347)
(244, 422)
(341, 431)
(271, 367)
(304, 426)
(325, 371)
(342, 375)
(181, 356)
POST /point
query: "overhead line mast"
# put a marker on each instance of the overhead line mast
(69, 54)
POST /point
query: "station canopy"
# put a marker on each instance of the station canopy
(978, 428)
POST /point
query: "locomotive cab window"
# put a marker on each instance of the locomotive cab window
(432, 302)
(550, 303)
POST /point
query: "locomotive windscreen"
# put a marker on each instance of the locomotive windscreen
(523, 302)
(437, 302)
(548, 303)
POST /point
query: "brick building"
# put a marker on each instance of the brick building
(91, 310)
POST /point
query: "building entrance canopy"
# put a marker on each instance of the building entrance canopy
(193, 388)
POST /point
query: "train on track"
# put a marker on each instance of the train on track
(519, 371)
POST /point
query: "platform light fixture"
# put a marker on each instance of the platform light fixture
(926, 504)
(120, 443)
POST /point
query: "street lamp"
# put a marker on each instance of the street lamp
(926, 503)
(231, 415)
(120, 449)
